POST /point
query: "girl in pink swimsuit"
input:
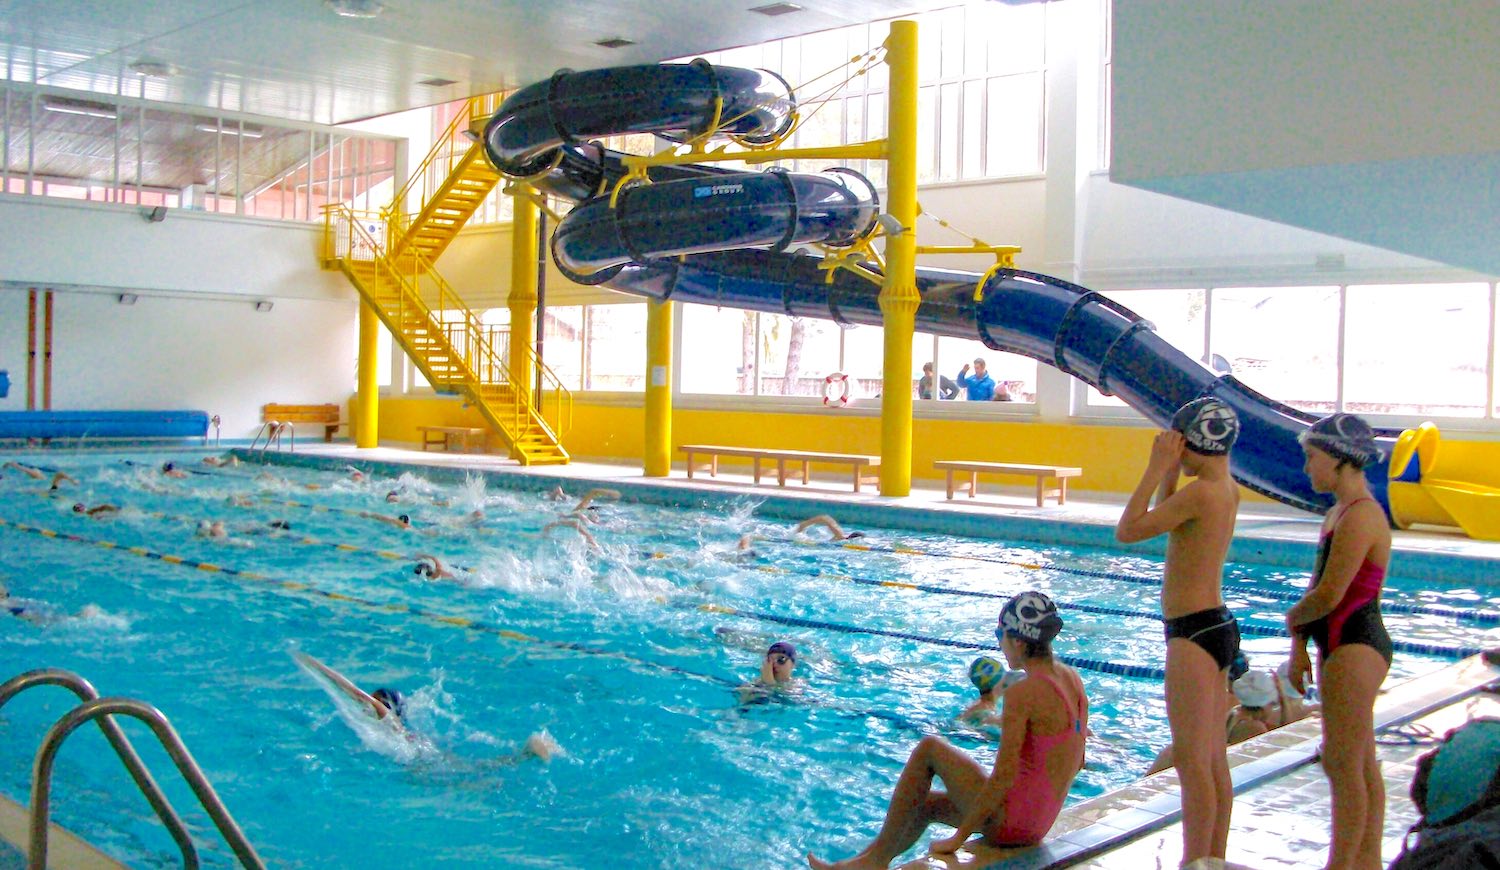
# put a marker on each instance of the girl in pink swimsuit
(1043, 726)
(1341, 614)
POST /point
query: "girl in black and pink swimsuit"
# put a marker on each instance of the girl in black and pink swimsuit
(1341, 614)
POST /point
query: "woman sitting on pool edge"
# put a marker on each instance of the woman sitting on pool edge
(1043, 724)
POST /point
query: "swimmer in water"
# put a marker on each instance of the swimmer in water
(401, 522)
(385, 704)
(576, 525)
(170, 469)
(241, 500)
(836, 532)
(431, 567)
(779, 663)
(29, 471)
(213, 529)
(98, 510)
(221, 462)
(587, 502)
(58, 479)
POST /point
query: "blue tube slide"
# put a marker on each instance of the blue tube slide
(726, 249)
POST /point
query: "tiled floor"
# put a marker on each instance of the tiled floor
(1285, 824)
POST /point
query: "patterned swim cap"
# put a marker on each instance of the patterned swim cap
(1344, 437)
(392, 700)
(1031, 615)
(986, 673)
(1208, 425)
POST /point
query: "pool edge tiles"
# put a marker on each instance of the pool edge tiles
(1286, 543)
(1092, 828)
(64, 848)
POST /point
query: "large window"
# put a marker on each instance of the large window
(1404, 350)
(615, 336)
(104, 148)
(980, 103)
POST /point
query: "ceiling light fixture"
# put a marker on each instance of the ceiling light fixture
(355, 8)
(615, 42)
(154, 69)
(79, 107)
(247, 133)
(774, 9)
(437, 82)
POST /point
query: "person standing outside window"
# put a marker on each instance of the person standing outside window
(980, 386)
(933, 387)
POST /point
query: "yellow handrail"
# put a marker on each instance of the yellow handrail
(468, 341)
(439, 162)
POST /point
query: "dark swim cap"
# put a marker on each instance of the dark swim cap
(1031, 616)
(784, 648)
(1209, 426)
(392, 700)
(1344, 437)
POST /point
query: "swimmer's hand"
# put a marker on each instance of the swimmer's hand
(1300, 669)
(949, 845)
(543, 746)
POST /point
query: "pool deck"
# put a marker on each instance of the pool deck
(1282, 804)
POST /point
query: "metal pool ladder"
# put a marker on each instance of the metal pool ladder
(271, 430)
(103, 711)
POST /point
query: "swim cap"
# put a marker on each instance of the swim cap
(986, 673)
(1032, 616)
(392, 700)
(405, 519)
(1208, 425)
(1256, 689)
(1344, 437)
(784, 648)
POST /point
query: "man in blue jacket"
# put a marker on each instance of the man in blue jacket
(980, 386)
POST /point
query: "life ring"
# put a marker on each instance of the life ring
(838, 381)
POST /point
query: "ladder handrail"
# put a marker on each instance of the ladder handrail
(443, 148)
(272, 430)
(121, 744)
(479, 357)
(98, 709)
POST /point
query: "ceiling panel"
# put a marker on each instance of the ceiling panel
(296, 59)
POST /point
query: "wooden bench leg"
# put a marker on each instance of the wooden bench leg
(781, 472)
(973, 484)
(950, 484)
(713, 465)
(1041, 491)
(755, 465)
(1062, 490)
(690, 464)
(858, 477)
(806, 472)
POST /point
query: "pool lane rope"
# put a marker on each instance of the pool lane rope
(311, 592)
(1478, 617)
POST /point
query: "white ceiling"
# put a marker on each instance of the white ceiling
(296, 59)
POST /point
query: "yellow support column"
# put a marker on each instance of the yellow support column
(367, 419)
(522, 300)
(658, 446)
(898, 295)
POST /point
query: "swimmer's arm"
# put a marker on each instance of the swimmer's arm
(1014, 721)
(1352, 541)
(824, 520)
(588, 497)
(1140, 522)
(354, 692)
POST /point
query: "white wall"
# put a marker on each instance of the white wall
(193, 339)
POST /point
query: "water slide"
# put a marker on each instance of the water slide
(712, 236)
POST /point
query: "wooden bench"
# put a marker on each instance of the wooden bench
(1042, 473)
(447, 436)
(326, 415)
(861, 463)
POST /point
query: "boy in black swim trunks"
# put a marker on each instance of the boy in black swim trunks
(1202, 635)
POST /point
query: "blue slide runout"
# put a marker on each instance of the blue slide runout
(727, 248)
(103, 424)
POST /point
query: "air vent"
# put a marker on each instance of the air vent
(615, 42)
(773, 9)
(155, 69)
(437, 82)
(87, 108)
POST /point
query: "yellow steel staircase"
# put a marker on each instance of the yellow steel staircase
(389, 260)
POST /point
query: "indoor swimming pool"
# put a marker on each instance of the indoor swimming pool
(629, 656)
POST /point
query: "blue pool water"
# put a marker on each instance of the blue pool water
(628, 659)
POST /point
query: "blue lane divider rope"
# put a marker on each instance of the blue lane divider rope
(1245, 628)
(1135, 671)
(1480, 617)
(307, 590)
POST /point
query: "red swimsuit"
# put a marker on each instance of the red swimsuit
(1031, 804)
